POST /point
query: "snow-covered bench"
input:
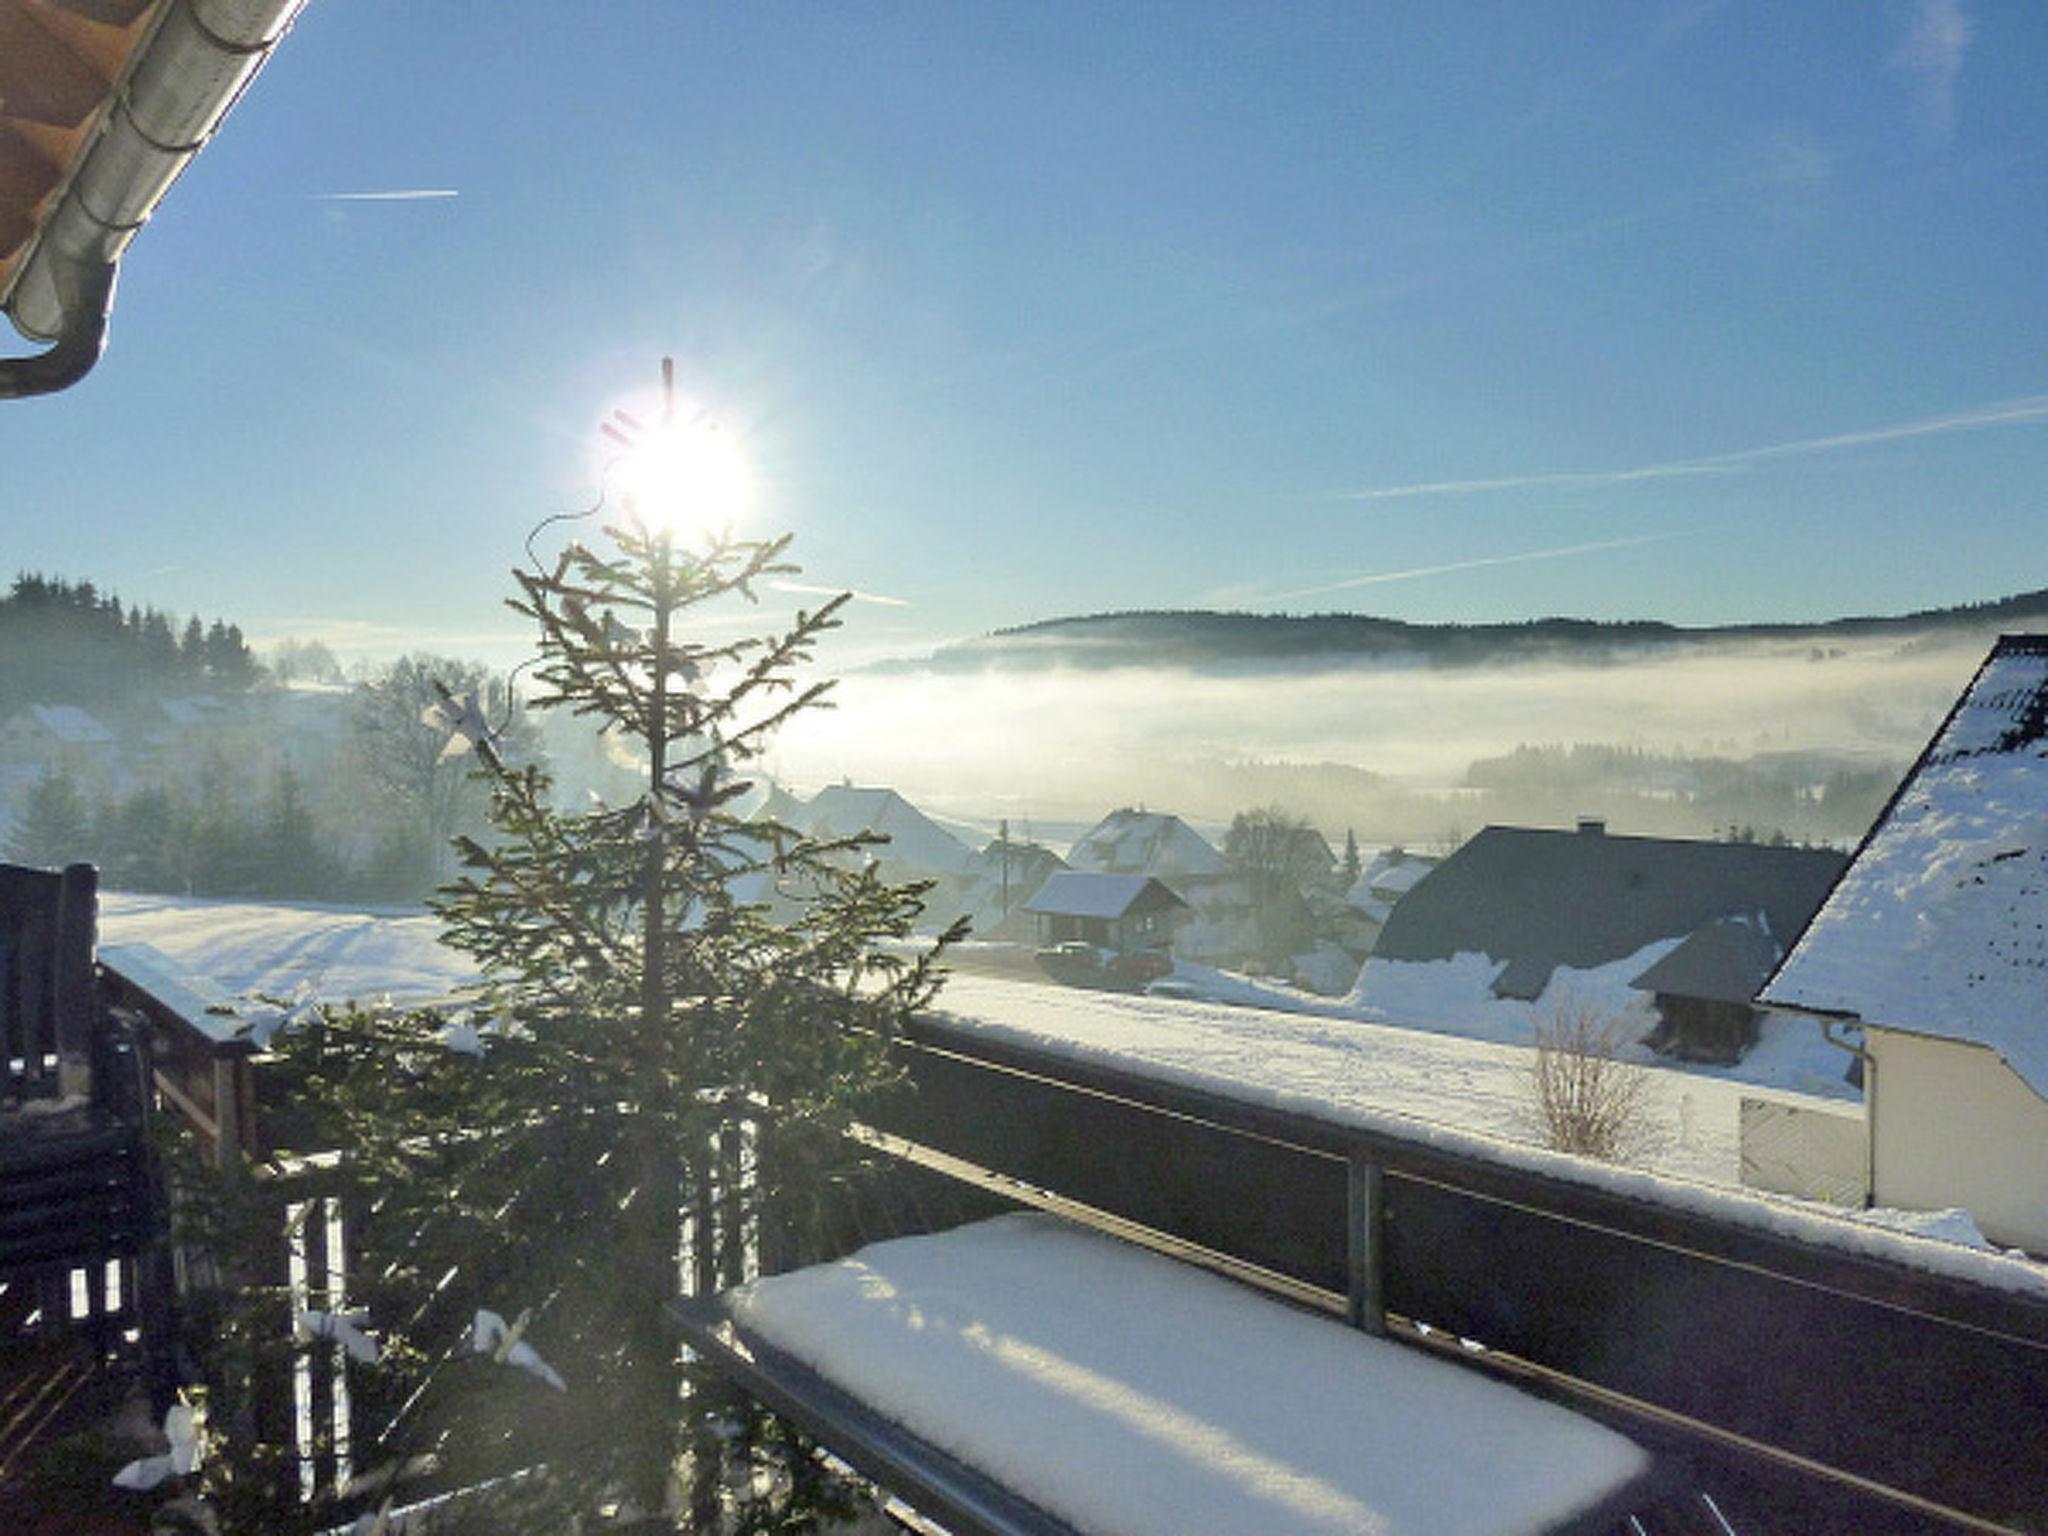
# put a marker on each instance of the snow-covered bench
(1024, 1375)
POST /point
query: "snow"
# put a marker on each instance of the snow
(1331, 1065)
(1454, 996)
(1938, 925)
(1123, 1392)
(1466, 1096)
(1072, 893)
(840, 810)
(250, 947)
(1319, 1058)
(1128, 842)
(72, 725)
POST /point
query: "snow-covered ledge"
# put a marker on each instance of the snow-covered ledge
(1106, 1388)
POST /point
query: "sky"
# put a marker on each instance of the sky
(1694, 311)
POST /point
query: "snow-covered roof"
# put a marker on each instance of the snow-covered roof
(72, 725)
(1129, 842)
(1121, 1391)
(1391, 875)
(840, 810)
(1077, 893)
(193, 710)
(1940, 925)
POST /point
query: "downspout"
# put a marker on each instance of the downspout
(78, 345)
(1862, 1054)
(178, 86)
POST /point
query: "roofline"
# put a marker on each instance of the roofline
(1885, 814)
(178, 85)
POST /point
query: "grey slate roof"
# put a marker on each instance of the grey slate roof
(1725, 961)
(1536, 899)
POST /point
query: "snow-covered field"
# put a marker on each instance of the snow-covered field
(1344, 1064)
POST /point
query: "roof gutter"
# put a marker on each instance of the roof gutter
(178, 86)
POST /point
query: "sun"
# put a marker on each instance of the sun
(685, 478)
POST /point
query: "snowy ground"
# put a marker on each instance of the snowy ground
(1320, 1053)
(1454, 1090)
(1343, 1063)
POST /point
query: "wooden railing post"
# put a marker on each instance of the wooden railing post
(77, 922)
(1365, 1215)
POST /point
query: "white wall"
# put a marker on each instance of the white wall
(1956, 1126)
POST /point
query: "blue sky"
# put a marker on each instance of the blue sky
(1708, 312)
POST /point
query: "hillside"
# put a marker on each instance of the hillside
(1209, 641)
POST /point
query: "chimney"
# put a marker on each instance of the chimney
(1592, 826)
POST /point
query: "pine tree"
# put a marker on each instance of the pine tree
(53, 827)
(1352, 864)
(665, 1066)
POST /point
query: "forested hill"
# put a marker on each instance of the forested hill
(67, 642)
(1250, 641)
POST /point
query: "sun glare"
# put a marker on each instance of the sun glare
(685, 478)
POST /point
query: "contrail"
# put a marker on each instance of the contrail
(2019, 412)
(1412, 572)
(806, 589)
(398, 195)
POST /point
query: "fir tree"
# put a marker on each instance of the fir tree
(663, 1066)
(1352, 864)
(53, 827)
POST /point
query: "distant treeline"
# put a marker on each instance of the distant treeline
(70, 642)
(1210, 641)
(1797, 797)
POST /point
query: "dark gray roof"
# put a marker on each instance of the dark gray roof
(1726, 961)
(1548, 898)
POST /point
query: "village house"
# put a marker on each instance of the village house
(1136, 842)
(1125, 913)
(1935, 941)
(1702, 921)
(58, 737)
(1392, 874)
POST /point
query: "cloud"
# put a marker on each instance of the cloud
(1559, 552)
(396, 195)
(1930, 55)
(2023, 411)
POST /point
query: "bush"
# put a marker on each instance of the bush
(1588, 1100)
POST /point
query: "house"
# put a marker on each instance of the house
(1012, 871)
(1935, 941)
(1697, 925)
(1125, 913)
(917, 844)
(1392, 874)
(57, 736)
(1136, 842)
